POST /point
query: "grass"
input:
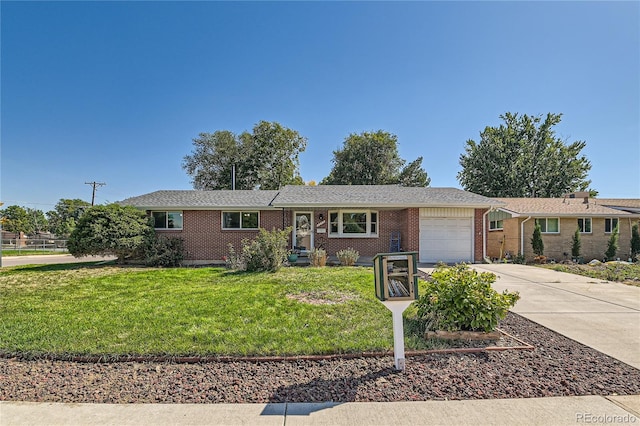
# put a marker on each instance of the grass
(619, 272)
(85, 309)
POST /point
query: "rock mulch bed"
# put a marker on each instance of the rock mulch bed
(557, 367)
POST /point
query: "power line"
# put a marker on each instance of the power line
(95, 186)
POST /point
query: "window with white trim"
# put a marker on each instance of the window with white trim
(240, 220)
(584, 225)
(610, 223)
(496, 225)
(353, 223)
(167, 220)
(549, 225)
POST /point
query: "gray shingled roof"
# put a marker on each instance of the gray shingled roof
(559, 207)
(378, 196)
(194, 199)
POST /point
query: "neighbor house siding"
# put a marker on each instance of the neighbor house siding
(593, 245)
(509, 235)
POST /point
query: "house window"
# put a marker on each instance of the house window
(167, 220)
(584, 225)
(353, 223)
(240, 220)
(549, 225)
(610, 223)
(495, 225)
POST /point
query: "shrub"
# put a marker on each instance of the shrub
(110, 230)
(348, 256)
(612, 245)
(458, 298)
(576, 244)
(164, 251)
(267, 252)
(318, 257)
(536, 241)
(635, 243)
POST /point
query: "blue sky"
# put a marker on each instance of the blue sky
(115, 92)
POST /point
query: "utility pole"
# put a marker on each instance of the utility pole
(95, 186)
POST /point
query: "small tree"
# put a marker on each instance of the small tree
(612, 245)
(110, 230)
(575, 247)
(635, 243)
(536, 241)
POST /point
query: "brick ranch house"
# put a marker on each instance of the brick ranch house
(441, 224)
(511, 226)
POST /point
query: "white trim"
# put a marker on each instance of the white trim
(341, 234)
(546, 224)
(295, 229)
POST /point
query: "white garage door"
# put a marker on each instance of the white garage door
(446, 239)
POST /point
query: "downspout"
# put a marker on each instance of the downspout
(522, 235)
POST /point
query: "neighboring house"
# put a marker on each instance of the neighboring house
(442, 224)
(511, 226)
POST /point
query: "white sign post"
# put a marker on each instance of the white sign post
(397, 307)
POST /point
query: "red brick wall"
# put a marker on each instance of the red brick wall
(478, 240)
(205, 240)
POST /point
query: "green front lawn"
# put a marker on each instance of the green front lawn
(87, 309)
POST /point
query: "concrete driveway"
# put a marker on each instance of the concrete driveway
(601, 314)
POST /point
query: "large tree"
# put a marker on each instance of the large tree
(20, 219)
(65, 215)
(266, 158)
(523, 158)
(110, 230)
(371, 158)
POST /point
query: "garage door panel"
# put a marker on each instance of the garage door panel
(446, 239)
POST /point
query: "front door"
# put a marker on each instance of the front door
(303, 231)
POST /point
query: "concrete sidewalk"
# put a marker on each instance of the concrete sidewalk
(533, 411)
(600, 314)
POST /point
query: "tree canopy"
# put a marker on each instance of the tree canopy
(266, 158)
(65, 215)
(23, 219)
(110, 230)
(523, 158)
(371, 158)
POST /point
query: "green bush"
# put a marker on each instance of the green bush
(318, 257)
(110, 230)
(635, 243)
(536, 241)
(576, 244)
(612, 245)
(458, 298)
(164, 251)
(267, 252)
(348, 256)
